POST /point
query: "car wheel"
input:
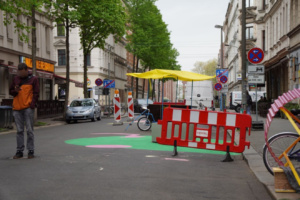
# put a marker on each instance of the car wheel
(238, 109)
(68, 121)
(94, 118)
(99, 118)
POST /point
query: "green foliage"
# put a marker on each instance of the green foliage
(206, 68)
(290, 106)
(148, 36)
(15, 8)
(97, 20)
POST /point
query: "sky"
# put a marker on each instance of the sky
(192, 26)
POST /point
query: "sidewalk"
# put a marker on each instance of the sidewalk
(40, 123)
(253, 155)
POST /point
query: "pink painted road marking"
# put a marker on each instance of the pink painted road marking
(177, 159)
(109, 146)
(128, 135)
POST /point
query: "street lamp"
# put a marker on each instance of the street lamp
(222, 64)
(221, 27)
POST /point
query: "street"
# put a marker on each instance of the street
(95, 160)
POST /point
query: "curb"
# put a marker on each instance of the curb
(256, 164)
(35, 127)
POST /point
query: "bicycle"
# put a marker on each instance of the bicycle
(145, 123)
(285, 145)
(110, 110)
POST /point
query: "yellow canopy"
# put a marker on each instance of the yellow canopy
(180, 75)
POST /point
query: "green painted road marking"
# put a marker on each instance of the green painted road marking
(142, 143)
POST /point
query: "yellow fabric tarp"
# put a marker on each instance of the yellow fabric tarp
(180, 75)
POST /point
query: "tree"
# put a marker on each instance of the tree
(207, 68)
(14, 8)
(97, 20)
(149, 39)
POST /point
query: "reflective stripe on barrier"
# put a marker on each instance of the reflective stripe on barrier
(130, 105)
(193, 128)
(117, 106)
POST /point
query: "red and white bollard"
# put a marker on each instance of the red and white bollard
(117, 108)
(130, 106)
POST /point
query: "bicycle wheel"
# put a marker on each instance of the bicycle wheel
(123, 111)
(279, 143)
(144, 124)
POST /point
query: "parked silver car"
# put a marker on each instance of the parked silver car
(82, 109)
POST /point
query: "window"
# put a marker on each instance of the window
(29, 32)
(249, 32)
(264, 4)
(249, 3)
(9, 30)
(88, 59)
(61, 57)
(47, 34)
(61, 30)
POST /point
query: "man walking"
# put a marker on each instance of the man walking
(25, 90)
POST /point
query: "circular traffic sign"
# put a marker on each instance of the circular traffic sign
(223, 79)
(218, 86)
(255, 55)
(98, 81)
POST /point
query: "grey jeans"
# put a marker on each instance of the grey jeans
(24, 118)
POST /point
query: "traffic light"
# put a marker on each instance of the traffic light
(105, 91)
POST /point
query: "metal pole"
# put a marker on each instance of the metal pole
(256, 102)
(244, 81)
(222, 66)
(162, 100)
(176, 91)
(192, 94)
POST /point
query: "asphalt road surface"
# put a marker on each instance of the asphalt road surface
(95, 160)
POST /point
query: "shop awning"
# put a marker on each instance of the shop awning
(176, 74)
(39, 73)
(77, 83)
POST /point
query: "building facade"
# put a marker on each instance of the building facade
(14, 51)
(273, 26)
(109, 63)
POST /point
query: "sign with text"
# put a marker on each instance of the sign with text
(256, 78)
(256, 69)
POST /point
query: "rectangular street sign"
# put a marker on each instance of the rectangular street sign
(224, 88)
(98, 90)
(109, 83)
(221, 72)
(256, 69)
(256, 78)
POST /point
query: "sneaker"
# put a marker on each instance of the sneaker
(30, 154)
(18, 155)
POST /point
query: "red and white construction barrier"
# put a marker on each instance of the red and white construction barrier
(130, 106)
(117, 106)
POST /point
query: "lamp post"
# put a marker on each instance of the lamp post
(222, 103)
(244, 81)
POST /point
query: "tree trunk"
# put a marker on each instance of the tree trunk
(153, 88)
(85, 74)
(137, 79)
(143, 94)
(158, 90)
(133, 67)
(67, 65)
(33, 36)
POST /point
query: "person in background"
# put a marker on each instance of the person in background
(249, 103)
(25, 90)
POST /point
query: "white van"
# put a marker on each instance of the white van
(202, 94)
(236, 98)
